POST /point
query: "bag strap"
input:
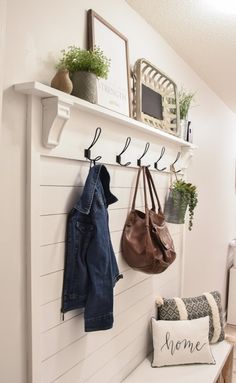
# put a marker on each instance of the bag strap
(152, 189)
(142, 169)
(145, 189)
(147, 222)
(136, 188)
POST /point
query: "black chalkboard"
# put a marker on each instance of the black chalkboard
(151, 103)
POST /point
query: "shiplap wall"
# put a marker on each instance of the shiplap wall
(61, 351)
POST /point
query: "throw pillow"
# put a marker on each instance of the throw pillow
(181, 342)
(193, 308)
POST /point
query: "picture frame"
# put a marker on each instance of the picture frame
(114, 92)
(155, 98)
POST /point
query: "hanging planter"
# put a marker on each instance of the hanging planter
(182, 195)
(175, 208)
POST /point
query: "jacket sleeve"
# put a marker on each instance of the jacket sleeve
(98, 313)
(76, 279)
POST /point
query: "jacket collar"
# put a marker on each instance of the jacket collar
(98, 177)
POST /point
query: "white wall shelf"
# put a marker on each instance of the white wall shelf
(56, 112)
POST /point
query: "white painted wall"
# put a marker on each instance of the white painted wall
(213, 170)
(3, 8)
(35, 33)
(12, 271)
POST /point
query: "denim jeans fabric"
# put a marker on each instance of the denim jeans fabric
(91, 269)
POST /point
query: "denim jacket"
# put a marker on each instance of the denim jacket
(91, 270)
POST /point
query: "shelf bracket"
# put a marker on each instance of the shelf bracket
(186, 155)
(56, 113)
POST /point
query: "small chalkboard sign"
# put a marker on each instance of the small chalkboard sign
(152, 103)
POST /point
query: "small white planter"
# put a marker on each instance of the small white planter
(183, 129)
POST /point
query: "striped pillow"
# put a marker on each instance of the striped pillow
(208, 304)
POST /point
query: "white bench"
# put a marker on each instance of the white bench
(221, 372)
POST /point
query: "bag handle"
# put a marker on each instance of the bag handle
(142, 169)
(145, 189)
(145, 177)
(147, 223)
(152, 189)
(136, 188)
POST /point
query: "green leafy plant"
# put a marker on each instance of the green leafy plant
(75, 59)
(185, 100)
(185, 194)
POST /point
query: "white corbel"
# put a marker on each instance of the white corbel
(56, 113)
(186, 155)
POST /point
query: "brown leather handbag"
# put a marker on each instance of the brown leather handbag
(146, 242)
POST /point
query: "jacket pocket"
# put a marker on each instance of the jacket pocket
(84, 227)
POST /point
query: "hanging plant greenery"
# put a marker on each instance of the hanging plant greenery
(185, 195)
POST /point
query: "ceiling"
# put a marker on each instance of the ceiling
(203, 34)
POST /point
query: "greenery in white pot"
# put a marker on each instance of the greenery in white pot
(185, 100)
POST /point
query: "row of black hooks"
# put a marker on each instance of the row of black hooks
(87, 154)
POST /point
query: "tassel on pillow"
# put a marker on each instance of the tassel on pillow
(159, 301)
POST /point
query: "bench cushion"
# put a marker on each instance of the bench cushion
(144, 373)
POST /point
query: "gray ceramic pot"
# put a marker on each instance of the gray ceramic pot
(85, 86)
(174, 208)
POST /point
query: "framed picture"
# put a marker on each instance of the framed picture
(113, 93)
(155, 98)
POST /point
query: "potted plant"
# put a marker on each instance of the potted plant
(185, 100)
(84, 67)
(181, 196)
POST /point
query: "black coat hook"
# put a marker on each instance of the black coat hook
(163, 149)
(118, 157)
(172, 167)
(139, 162)
(87, 152)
